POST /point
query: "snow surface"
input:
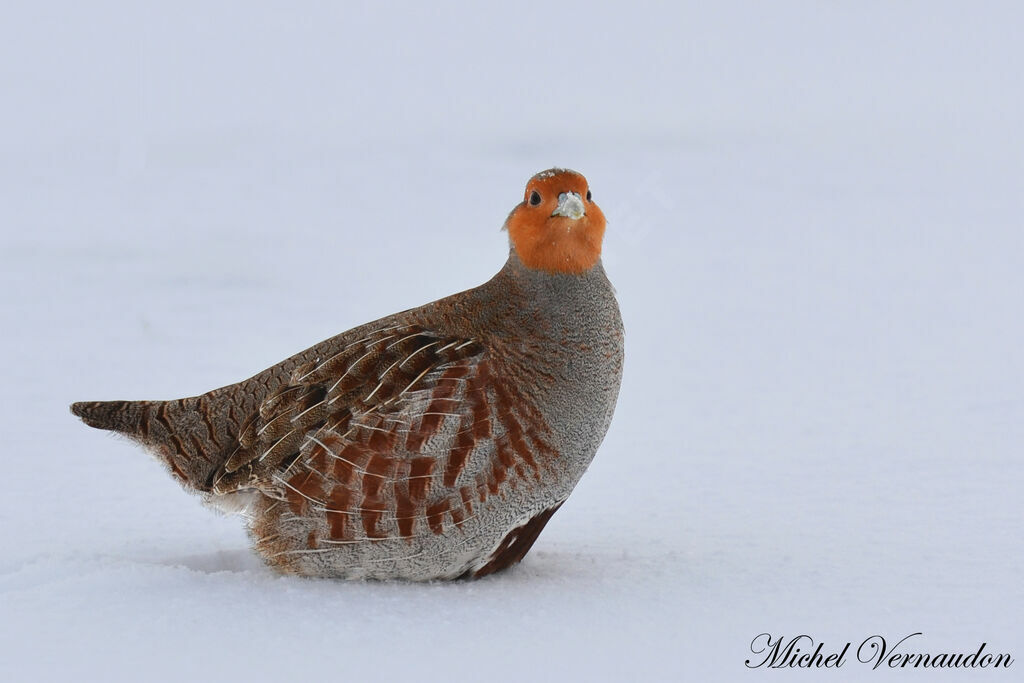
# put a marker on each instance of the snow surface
(815, 230)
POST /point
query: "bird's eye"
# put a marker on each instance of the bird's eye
(534, 198)
(588, 195)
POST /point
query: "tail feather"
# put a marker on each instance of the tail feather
(189, 436)
(117, 416)
(193, 436)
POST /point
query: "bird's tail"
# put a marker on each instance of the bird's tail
(116, 416)
(188, 435)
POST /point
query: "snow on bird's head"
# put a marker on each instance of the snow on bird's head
(557, 228)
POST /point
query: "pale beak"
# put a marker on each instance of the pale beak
(570, 205)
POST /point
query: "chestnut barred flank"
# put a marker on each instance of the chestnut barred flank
(434, 443)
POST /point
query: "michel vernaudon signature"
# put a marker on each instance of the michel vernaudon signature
(802, 652)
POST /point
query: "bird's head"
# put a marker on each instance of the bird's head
(557, 227)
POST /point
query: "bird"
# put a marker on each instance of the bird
(432, 444)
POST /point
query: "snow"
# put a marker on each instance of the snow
(570, 205)
(815, 234)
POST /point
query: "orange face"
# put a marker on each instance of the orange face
(557, 228)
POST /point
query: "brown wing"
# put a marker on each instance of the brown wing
(371, 435)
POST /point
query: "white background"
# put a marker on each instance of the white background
(816, 231)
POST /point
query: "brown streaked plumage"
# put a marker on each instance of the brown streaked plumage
(433, 443)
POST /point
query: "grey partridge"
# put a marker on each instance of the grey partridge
(435, 443)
